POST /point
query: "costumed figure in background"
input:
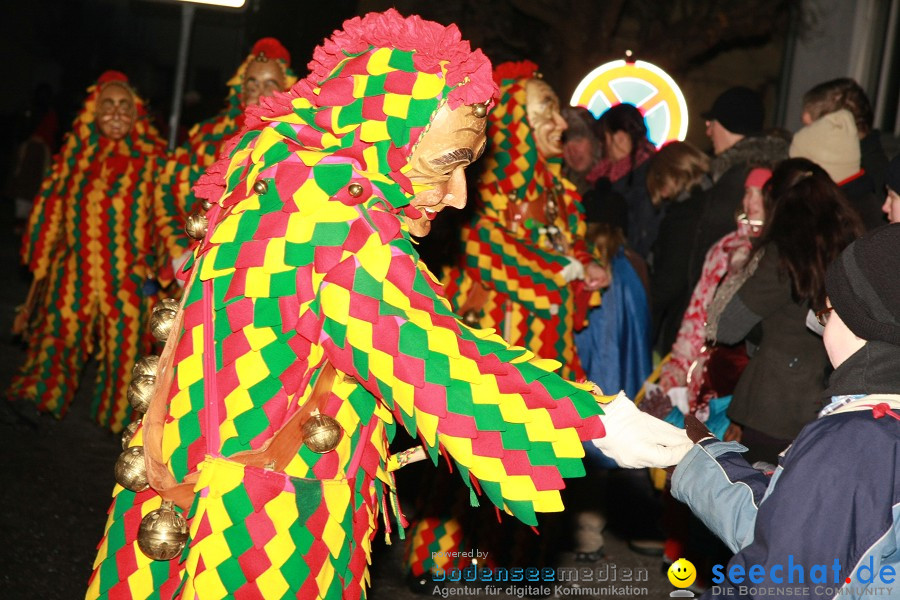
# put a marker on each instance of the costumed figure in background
(91, 244)
(308, 329)
(266, 70)
(527, 272)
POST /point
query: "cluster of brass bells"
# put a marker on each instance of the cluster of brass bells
(163, 533)
(131, 470)
(196, 226)
(128, 433)
(162, 318)
(321, 433)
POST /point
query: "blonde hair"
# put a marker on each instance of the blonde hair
(676, 168)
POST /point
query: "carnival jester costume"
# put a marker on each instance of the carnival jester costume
(308, 273)
(91, 244)
(524, 252)
(252, 79)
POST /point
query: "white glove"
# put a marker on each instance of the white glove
(635, 439)
(574, 270)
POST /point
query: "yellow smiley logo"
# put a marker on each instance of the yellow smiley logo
(682, 573)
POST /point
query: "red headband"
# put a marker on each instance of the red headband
(757, 177)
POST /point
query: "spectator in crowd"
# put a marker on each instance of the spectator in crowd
(843, 92)
(626, 152)
(615, 347)
(699, 371)
(832, 143)
(808, 223)
(677, 181)
(734, 124)
(833, 498)
(582, 149)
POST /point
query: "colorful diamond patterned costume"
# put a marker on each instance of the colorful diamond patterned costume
(92, 240)
(509, 250)
(298, 268)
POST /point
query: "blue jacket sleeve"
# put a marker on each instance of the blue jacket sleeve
(722, 489)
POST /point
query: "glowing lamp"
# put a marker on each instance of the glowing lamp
(642, 84)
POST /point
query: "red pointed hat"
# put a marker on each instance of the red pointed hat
(272, 48)
(110, 76)
(522, 69)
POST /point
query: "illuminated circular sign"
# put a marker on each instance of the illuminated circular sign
(642, 84)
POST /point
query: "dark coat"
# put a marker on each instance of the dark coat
(782, 387)
(874, 161)
(860, 192)
(643, 218)
(723, 202)
(670, 289)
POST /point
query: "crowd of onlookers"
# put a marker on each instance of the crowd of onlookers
(724, 261)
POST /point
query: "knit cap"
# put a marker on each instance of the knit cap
(739, 110)
(864, 288)
(832, 142)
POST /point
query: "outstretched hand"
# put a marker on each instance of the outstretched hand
(635, 439)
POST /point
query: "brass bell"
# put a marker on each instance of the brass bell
(140, 392)
(162, 318)
(131, 471)
(470, 318)
(146, 365)
(206, 204)
(355, 190)
(261, 187)
(128, 433)
(163, 533)
(321, 433)
(196, 226)
(479, 110)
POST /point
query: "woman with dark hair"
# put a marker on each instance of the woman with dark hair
(626, 151)
(808, 224)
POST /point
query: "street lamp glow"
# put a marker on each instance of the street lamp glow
(227, 3)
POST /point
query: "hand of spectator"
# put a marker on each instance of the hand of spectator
(635, 439)
(696, 430)
(733, 433)
(656, 402)
(595, 276)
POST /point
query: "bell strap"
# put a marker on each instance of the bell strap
(274, 455)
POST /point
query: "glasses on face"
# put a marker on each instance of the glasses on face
(823, 315)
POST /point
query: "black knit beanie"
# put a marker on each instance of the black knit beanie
(863, 285)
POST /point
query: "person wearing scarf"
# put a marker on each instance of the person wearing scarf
(830, 508)
(526, 271)
(91, 243)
